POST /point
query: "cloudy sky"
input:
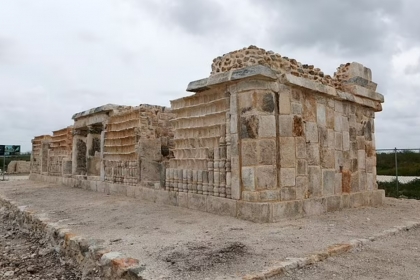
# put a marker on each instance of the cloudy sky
(58, 57)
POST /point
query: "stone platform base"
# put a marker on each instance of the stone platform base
(260, 212)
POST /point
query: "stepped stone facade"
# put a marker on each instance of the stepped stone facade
(263, 138)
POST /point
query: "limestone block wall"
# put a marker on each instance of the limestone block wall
(18, 167)
(201, 151)
(36, 155)
(123, 159)
(60, 150)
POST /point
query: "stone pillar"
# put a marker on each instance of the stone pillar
(102, 171)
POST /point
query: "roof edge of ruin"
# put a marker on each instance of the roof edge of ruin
(96, 110)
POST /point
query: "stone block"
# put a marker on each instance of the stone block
(287, 177)
(249, 127)
(253, 196)
(357, 199)
(328, 180)
(338, 141)
(338, 185)
(266, 177)
(362, 181)
(300, 147)
(286, 125)
(267, 152)
(309, 108)
(311, 132)
(249, 153)
(345, 123)
(150, 170)
(288, 193)
(321, 115)
(287, 152)
(248, 178)
(150, 149)
(131, 191)
(315, 181)
(183, 199)
(286, 209)
(245, 100)
(333, 203)
(269, 195)
(327, 157)
(285, 102)
(338, 122)
(339, 160)
(148, 194)
(253, 211)
(296, 108)
(376, 198)
(302, 167)
(265, 102)
(370, 184)
(302, 183)
(312, 153)
(315, 206)
(234, 145)
(330, 117)
(267, 127)
(221, 206)
(197, 201)
(346, 141)
(345, 200)
(361, 159)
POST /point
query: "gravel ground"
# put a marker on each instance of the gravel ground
(396, 257)
(176, 243)
(23, 256)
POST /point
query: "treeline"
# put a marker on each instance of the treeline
(408, 190)
(408, 163)
(22, 156)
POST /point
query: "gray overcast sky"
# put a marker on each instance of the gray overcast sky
(62, 57)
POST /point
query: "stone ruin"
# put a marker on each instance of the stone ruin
(263, 138)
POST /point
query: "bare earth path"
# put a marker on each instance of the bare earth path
(177, 243)
(395, 257)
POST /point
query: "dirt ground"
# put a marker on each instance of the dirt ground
(177, 243)
(396, 257)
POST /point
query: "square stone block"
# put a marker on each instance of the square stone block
(286, 209)
(287, 152)
(258, 212)
(376, 198)
(302, 183)
(288, 177)
(311, 132)
(266, 177)
(296, 108)
(269, 195)
(267, 127)
(312, 153)
(249, 153)
(288, 193)
(314, 206)
(253, 196)
(328, 180)
(359, 199)
(286, 125)
(327, 157)
(333, 203)
(285, 102)
(221, 206)
(267, 152)
(248, 178)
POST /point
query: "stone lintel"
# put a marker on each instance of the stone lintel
(100, 109)
(359, 95)
(361, 82)
(255, 71)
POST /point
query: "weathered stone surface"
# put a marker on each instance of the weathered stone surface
(300, 147)
(255, 212)
(249, 127)
(248, 178)
(267, 126)
(315, 206)
(288, 193)
(298, 126)
(302, 167)
(286, 209)
(249, 153)
(333, 203)
(269, 195)
(197, 201)
(321, 115)
(286, 125)
(287, 177)
(311, 132)
(285, 102)
(328, 180)
(287, 152)
(267, 151)
(266, 177)
(302, 183)
(312, 152)
(221, 206)
(315, 181)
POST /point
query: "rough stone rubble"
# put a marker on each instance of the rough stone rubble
(263, 138)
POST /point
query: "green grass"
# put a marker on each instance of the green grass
(409, 190)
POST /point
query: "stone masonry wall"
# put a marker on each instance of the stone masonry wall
(60, 150)
(121, 147)
(201, 151)
(36, 156)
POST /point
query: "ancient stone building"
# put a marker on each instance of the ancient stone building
(39, 154)
(263, 138)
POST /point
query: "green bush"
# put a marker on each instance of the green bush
(408, 163)
(409, 190)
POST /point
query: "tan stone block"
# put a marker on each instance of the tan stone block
(361, 159)
(183, 199)
(248, 178)
(362, 181)
(302, 183)
(298, 126)
(315, 181)
(311, 132)
(285, 103)
(331, 139)
(339, 141)
(354, 182)
(309, 108)
(287, 152)
(302, 167)
(330, 118)
(253, 196)
(360, 142)
(296, 108)
(269, 195)
(338, 183)
(245, 100)
(300, 147)
(197, 201)
(327, 157)
(334, 203)
(267, 126)
(357, 199)
(312, 152)
(321, 115)
(370, 178)
(288, 177)
(286, 209)
(346, 141)
(338, 106)
(339, 160)
(267, 152)
(328, 180)
(252, 211)
(315, 206)
(221, 206)
(345, 200)
(286, 126)
(249, 153)
(376, 198)
(265, 102)
(288, 193)
(266, 177)
(338, 122)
